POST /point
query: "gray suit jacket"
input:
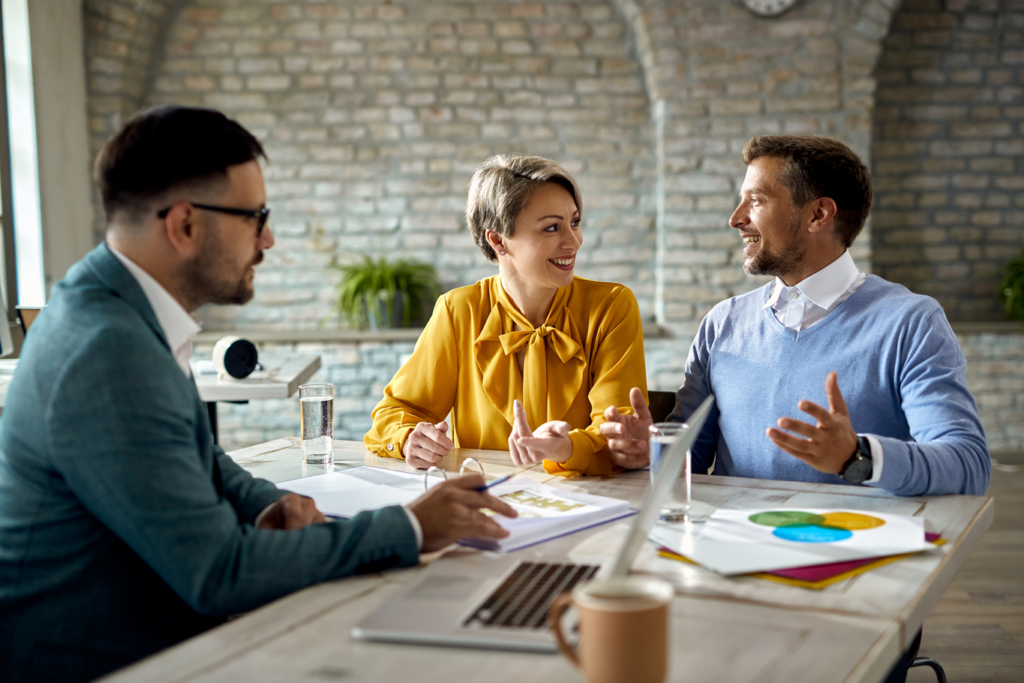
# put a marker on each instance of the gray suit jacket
(123, 528)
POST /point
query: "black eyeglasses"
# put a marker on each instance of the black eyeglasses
(260, 215)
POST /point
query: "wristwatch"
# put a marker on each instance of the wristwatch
(858, 468)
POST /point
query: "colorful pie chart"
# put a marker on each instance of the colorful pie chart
(807, 527)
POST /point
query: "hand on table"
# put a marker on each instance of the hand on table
(290, 511)
(550, 441)
(450, 512)
(427, 444)
(628, 435)
(830, 442)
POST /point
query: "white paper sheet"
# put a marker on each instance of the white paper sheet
(754, 540)
(349, 492)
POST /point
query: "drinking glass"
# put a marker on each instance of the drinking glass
(317, 422)
(663, 436)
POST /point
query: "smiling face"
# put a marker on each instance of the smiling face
(768, 221)
(541, 253)
(223, 271)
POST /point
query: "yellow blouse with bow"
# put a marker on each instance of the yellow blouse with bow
(585, 357)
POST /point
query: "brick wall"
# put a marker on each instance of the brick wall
(375, 115)
(718, 76)
(948, 151)
(123, 39)
(995, 375)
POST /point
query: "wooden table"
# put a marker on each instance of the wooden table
(724, 630)
(279, 378)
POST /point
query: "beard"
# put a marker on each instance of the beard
(784, 260)
(208, 277)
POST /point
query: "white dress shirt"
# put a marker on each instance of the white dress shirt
(809, 301)
(179, 327)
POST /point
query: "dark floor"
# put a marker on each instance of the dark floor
(977, 630)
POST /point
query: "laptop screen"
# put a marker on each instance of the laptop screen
(651, 504)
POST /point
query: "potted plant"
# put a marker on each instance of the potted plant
(1011, 291)
(383, 294)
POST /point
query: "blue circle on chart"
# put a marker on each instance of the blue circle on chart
(812, 534)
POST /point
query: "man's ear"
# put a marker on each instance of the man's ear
(184, 226)
(822, 214)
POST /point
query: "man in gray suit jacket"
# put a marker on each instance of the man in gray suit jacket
(123, 528)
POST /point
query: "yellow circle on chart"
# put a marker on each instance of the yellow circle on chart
(851, 521)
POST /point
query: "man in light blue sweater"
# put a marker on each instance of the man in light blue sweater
(904, 420)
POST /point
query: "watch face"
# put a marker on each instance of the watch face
(858, 471)
(768, 8)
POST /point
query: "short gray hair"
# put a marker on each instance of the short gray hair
(502, 186)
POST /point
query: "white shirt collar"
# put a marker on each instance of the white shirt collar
(179, 327)
(824, 287)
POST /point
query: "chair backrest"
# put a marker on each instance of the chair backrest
(26, 316)
(661, 404)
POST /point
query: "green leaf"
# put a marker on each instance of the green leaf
(1011, 291)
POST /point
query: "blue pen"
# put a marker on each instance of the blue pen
(499, 480)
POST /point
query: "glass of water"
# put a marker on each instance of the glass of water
(663, 436)
(317, 422)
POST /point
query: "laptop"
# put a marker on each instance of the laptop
(501, 601)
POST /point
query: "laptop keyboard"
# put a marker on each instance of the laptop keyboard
(523, 598)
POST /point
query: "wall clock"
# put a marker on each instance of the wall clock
(768, 8)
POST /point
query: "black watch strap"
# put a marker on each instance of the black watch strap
(858, 468)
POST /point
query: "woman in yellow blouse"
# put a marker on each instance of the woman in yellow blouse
(533, 345)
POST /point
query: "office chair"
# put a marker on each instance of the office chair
(912, 656)
(940, 674)
(26, 316)
(661, 404)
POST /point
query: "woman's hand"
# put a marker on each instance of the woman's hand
(427, 444)
(550, 441)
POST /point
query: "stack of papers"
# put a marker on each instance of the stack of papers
(544, 511)
(764, 540)
(819, 576)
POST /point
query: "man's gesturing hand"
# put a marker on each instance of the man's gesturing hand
(427, 444)
(550, 441)
(829, 443)
(628, 435)
(450, 512)
(290, 511)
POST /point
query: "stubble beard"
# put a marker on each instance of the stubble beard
(204, 276)
(778, 263)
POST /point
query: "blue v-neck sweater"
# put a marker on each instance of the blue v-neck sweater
(901, 372)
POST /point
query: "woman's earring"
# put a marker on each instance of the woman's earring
(501, 253)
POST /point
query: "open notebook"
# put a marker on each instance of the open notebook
(544, 511)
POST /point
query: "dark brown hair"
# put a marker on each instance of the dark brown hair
(820, 167)
(165, 149)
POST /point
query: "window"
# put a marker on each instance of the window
(24, 164)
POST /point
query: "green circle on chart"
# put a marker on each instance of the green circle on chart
(786, 518)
